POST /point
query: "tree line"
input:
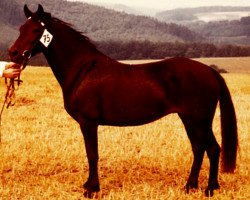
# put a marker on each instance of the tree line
(151, 50)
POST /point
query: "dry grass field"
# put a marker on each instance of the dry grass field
(42, 154)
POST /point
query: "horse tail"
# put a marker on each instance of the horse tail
(229, 133)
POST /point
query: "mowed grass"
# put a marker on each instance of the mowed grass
(42, 154)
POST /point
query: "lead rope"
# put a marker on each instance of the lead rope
(10, 95)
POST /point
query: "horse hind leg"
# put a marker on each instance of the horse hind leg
(213, 152)
(195, 136)
(198, 152)
(202, 139)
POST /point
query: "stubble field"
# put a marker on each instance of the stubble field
(42, 154)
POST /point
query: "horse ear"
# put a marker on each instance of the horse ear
(40, 10)
(41, 14)
(27, 12)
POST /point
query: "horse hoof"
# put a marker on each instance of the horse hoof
(90, 190)
(209, 192)
(89, 194)
(190, 186)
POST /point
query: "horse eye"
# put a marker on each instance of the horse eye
(36, 30)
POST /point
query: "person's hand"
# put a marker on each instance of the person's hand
(12, 70)
(12, 65)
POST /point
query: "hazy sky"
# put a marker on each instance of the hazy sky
(169, 4)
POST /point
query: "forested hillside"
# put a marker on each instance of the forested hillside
(235, 32)
(218, 24)
(117, 34)
(101, 24)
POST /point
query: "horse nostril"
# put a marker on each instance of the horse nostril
(13, 53)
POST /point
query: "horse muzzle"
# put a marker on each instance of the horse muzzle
(19, 57)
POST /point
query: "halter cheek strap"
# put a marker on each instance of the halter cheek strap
(46, 37)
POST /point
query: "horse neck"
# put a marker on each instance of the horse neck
(68, 54)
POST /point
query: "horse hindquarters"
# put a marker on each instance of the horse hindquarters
(199, 97)
(197, 113)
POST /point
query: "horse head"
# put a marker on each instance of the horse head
(30, 41)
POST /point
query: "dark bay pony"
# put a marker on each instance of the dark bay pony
(98, 90)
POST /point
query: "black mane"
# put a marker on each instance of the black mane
(77, 34)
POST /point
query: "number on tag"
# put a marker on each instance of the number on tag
(46, 38)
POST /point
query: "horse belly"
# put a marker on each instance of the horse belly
(135, 105)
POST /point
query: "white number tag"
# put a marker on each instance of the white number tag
(46, 38)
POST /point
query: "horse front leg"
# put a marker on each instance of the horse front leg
(89, 131)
